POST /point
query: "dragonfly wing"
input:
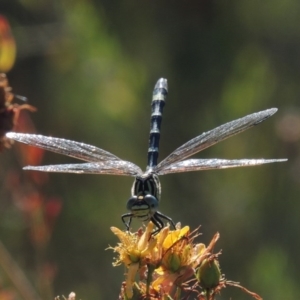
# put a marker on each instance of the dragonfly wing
(214, 163)
(70, 148)
(214, 136)
(111, 167)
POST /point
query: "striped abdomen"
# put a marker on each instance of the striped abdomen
(158, 102)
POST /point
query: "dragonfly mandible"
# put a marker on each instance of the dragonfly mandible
(146, 190)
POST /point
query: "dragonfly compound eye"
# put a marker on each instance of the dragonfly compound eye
(131, 202)
(151, 201)
(146, 189)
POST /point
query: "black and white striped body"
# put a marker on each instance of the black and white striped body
(146, 189)
(160, 93)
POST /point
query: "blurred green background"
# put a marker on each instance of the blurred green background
(90, 68)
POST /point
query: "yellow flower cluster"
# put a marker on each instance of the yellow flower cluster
(164, 262)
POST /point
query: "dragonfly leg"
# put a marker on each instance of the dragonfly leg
(124, 217)
(162, 216)
(157, 220)
(158, 223)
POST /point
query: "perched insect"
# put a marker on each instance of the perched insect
(146, 189)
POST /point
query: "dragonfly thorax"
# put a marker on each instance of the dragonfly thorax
(148, 184)
(145, 192)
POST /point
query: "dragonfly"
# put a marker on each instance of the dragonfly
(146, 189)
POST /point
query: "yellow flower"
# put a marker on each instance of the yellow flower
(169, 257)
(134, 251)
(166, 262)
(179, 260)
(133, 248)
(175, 266)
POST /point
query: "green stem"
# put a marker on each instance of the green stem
(151, 269)
(178, 293)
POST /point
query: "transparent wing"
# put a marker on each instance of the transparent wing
(214, 136)
(214, 163)
(66, 147)
(110, 167)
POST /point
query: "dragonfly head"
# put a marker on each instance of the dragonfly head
(142, 207)
(145, 195)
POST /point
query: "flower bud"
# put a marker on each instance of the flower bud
(172, 262)
(209, 274)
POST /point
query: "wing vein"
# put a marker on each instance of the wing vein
(216, 135)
